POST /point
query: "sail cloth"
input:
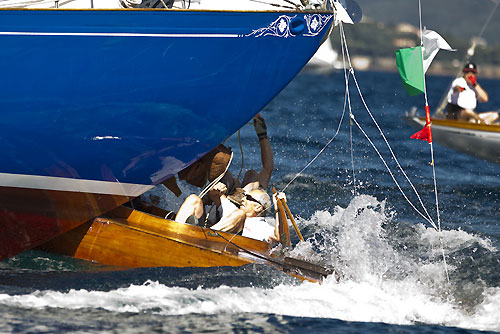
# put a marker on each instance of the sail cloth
(413, 62)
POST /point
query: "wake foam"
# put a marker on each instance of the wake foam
(390, 275)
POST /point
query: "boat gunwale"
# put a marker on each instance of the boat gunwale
(288, 11)
(463, 125)
(157, 225)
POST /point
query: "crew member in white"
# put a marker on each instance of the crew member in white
(463, 96)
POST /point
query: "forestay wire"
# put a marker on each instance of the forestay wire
(321, 151)
(349, 72)
(432, 148)
(427, 217)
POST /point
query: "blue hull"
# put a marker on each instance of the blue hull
(112, 102)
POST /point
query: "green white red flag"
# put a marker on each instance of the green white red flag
(412, 64)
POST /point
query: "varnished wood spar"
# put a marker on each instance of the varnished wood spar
(283, 223)
(135, 239)
(289, 213)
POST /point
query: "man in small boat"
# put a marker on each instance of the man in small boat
(463, 96)
(249, 204)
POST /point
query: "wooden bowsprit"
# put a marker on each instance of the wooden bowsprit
(283, 211)
(293, 265)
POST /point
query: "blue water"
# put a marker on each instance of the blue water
(391, 259)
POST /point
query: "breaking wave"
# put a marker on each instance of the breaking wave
(392, 272)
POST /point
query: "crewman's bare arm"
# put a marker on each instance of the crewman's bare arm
(482, 96)
(266, 152)
(232, 223)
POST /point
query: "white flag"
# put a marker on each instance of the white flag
(433, 42)
(342, 14)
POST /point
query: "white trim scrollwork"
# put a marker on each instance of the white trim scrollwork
(279, 28)
(315, 23)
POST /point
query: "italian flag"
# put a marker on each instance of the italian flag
(412, 64)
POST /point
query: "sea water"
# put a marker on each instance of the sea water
(352, 215)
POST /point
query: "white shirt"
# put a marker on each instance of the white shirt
(258, 228)
(466, 99)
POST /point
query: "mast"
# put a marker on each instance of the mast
(470, 53)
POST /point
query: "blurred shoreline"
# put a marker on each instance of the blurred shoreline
(387, 64)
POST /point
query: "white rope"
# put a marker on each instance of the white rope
(347, 99)
(432, 150)
(320, 151)
(392, 174)
(317, 155)
(345, 54)
(428, 217)
(214, 182)
(427, 106)
(346, 103)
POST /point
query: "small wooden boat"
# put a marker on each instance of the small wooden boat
(130, 238)
(479, 140)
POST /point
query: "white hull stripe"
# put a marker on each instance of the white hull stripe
(115, 34)
(72, 185)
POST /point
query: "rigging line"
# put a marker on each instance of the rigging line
(420, 22)
(320, 151)
(214, 182)
(242, 156)
(497, 2)
(385, 139)
(352, 158)
(438, 218)
(392, 154)
(468, 55)
(428, 218)
(262, 257)
(435, 188)
(292, 3)
(317, 155)
(391, 173)
(432, 150)
(275, 5)
(347, 99)
(334, 136)
(444, 257)
(427, 105)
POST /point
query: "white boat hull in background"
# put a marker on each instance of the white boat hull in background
(325, 60)
(478, 140)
